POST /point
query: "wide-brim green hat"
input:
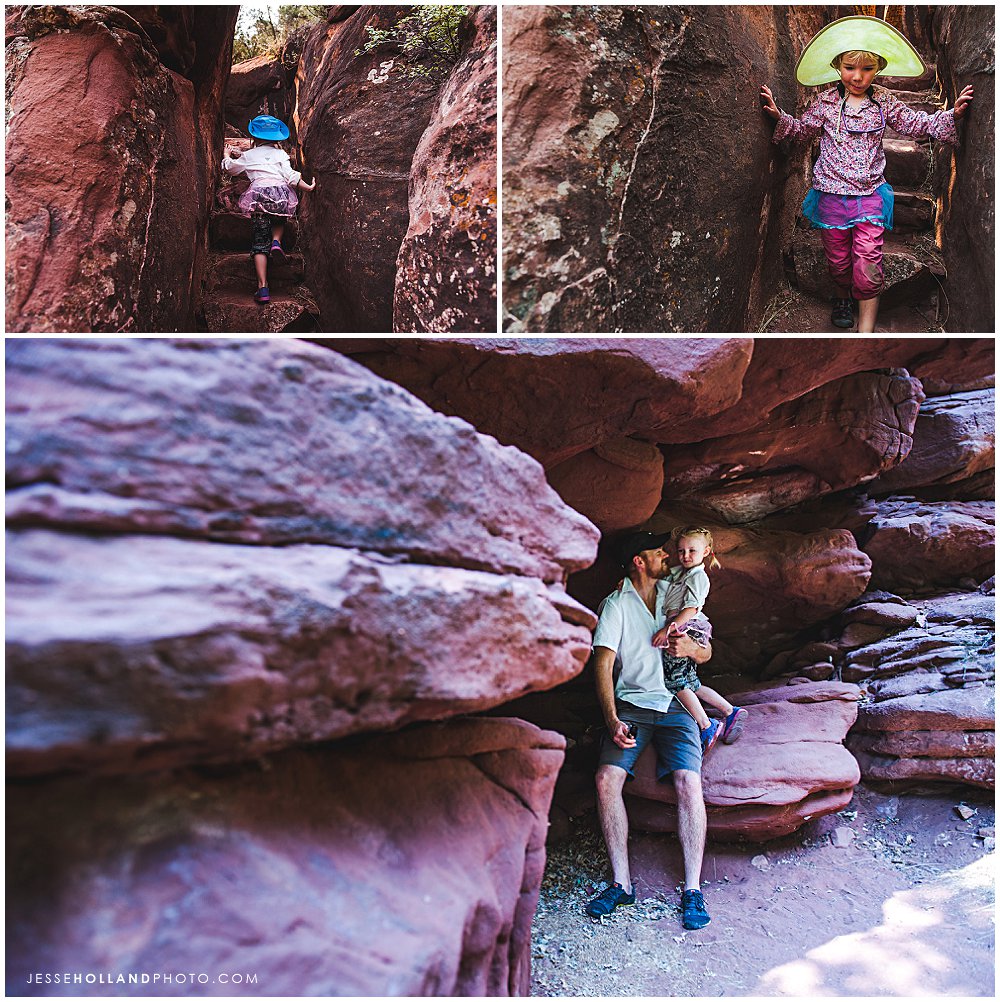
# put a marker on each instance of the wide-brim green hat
(856, 33)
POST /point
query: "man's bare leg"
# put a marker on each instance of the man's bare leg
(614, 821)
(692, 825)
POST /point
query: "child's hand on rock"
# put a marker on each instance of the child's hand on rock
(232, 154)
(963, 101)
(305, 186)
(767, 99)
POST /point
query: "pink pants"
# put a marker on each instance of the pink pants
(854, 258)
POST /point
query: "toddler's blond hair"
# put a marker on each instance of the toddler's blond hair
(712, 563)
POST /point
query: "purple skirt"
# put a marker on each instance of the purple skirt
(274, 199)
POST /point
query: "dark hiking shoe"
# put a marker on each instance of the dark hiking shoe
(734, 724)
(695, 914)
(842, 315)
(709, 736)
(608, 900)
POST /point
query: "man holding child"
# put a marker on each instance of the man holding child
(638, 709)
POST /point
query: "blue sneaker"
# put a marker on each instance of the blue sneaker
(262, 295)
(733, 726)
(695, 914)
(709, 736)
(608, 900)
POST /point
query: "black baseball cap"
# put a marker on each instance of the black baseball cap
(635, 542)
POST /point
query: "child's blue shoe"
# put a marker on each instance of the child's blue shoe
(734, 724)
(277, 252)
(709, 736)
(262, 295)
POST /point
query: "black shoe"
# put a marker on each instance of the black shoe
(842, 315)
(609, 899)
(695, 913)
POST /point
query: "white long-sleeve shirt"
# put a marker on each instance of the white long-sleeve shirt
(263, 165)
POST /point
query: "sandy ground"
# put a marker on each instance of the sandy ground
(892, 897)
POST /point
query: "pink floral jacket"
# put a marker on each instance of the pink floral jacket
(851, 159)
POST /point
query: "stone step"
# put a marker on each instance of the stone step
(231, 231)
(912, 269)
(907, 163)
(228, 311)
(795, 312)
(914, 212)
(236, 271)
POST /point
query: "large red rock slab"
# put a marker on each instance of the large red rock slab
(360, 119)
(967, 225)
(837, 436)
(613, 219)
(954, 439)
(785, 369)
(407, 865)
(446, 272)
(96, 198)
(789, 766)
(556, 397)
(918, 545)
(129, 653)
(617, 484)
(263, 85)
(269, 441)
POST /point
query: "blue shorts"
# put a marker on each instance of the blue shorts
(674, 734)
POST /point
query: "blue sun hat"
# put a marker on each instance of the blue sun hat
(268, 128)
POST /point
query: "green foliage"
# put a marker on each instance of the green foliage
(427, 39)
(260, 33)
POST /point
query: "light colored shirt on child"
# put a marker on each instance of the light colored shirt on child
(853, 162)
(686, 589)
(263, 165)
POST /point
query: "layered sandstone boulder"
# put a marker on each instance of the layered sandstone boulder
(233, 552)
(446, 271)
(398, 865)
(97, 198)
(954, 442)
(842, 434)
(926, 545)
(789, 767)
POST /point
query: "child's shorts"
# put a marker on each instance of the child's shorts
(679, 673)
(260, 232)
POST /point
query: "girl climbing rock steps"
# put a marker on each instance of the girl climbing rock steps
(850, 201)
(271, 198)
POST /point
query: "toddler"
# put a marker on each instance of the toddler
(850, 201)
(270, 199)
(687, 590)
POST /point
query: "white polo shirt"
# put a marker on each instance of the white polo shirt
(626, 626)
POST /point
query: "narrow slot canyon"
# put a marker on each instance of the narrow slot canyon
(642, 192)
(121, 221)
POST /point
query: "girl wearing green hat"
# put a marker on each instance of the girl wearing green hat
(271, 197)
(850, 201)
